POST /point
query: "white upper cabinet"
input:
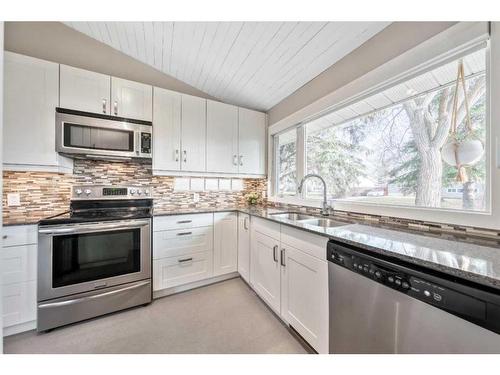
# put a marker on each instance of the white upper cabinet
(225, 242)
(131, 99)
(31, 95)
(222, 137)
(84, 90)
(252, 142)
(167, 130)
(193, 140)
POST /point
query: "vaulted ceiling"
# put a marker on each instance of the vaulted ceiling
(251, 64)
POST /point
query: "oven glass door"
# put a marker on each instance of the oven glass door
(84, 257)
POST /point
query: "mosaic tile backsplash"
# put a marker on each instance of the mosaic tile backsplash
(44, 194)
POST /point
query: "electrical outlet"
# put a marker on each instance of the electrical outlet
(196, 197)
(13, 199)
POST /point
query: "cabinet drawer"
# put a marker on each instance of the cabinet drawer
(174, 271)
(19, 235)
(182, 221)
(312, 244)
(19, 303)
(171, 243)
(267, 227)
(18, 264)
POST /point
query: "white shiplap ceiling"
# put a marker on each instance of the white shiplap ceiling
(251, 64)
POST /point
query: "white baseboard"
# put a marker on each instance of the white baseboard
(196, 284)
(18, 328)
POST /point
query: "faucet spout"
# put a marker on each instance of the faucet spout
(325, 210)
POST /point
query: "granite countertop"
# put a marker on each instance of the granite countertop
(463, 257)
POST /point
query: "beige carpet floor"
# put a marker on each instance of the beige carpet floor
(226, 317)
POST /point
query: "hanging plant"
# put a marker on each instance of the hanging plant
(467, 150)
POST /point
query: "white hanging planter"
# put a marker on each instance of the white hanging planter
(468, 152)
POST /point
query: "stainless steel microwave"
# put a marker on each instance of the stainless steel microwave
(88, 135)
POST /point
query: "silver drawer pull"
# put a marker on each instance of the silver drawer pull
(185, 260)
(4, 236)
(184, 233)
(184, 221)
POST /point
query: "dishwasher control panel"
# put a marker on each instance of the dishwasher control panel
(475, 305)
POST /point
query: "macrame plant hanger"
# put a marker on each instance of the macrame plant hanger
(461, 172)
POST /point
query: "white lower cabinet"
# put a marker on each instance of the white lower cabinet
(304, 296)
(225, 243)
(244, 246)
(289, 271)
(19, 275)
(266, 269)
(184, 269)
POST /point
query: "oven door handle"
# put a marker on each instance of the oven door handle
(91, 228)
(88, 298)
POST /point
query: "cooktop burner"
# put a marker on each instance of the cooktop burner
(105, 203)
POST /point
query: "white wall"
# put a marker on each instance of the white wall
(1, 131)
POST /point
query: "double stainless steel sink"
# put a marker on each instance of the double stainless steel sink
(308, 219)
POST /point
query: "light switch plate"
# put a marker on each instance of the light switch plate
(13, 199)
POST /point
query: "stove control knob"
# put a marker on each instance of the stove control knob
(427, 293)
(78, 191)
(405, 285)
(88, 191)
(139, 192)
(146, 192)
(378, 274)
(132, 191)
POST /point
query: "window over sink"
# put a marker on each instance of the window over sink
(397, 146)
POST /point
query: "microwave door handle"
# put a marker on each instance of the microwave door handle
(137, 143)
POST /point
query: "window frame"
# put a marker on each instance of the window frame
(462, 217)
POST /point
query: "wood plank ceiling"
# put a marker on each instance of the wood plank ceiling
(251, 64)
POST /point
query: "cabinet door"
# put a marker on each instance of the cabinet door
(266, 269)
(222, 137)
(83, 90)
(304, 296)
(166, 130)
(193, 140)
(31, 95)
(131, 99)
(244, 246)
(225, 243)
(252, 142)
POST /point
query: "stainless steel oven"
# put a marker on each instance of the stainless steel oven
(95, 259)
(82, 134)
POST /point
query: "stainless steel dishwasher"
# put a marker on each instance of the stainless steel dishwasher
(379, 305)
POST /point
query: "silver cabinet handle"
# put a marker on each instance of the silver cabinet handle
(184, 221)
(115, 107)
(185, 156)
(245, 223)
(241, 159)
(235, 159)
(97, 296)
(184, 233)
(4, 236)
(275, 255)
(282, 257)
(177, 155)
(185, 260)
(104, 106)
